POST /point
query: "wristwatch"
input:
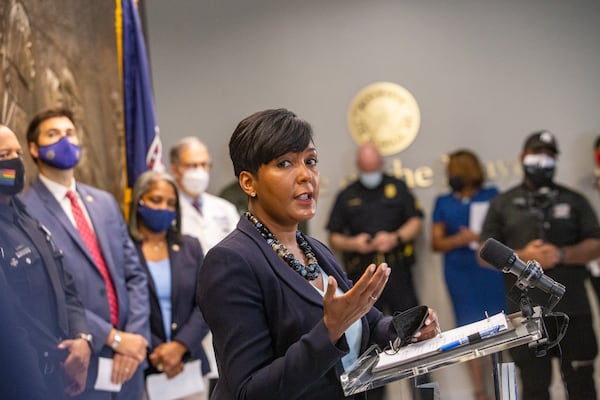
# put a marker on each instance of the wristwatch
(116, 340)
(88, 338)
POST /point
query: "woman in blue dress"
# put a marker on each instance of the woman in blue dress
(457, 219)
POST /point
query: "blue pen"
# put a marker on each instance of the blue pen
(474, 338)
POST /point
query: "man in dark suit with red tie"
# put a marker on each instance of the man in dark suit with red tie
(88, 226)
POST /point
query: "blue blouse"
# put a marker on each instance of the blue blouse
(161, 275)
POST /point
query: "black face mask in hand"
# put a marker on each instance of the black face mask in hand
(408, 322)
(12, 176)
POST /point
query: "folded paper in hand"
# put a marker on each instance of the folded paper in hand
(426, 347)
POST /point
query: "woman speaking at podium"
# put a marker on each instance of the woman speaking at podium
(285, 320)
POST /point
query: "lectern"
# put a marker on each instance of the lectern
(370, 372)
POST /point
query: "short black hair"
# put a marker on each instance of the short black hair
(33, 132)
(597, 142)
(266, 135)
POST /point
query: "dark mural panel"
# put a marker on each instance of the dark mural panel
(63, 53)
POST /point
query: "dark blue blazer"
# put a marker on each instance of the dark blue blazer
(187, 324)
(267, 322)
(121, 260)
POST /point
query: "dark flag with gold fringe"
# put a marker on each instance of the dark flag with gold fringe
(143, 148)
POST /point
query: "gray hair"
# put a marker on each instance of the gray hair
(182, 144)
(142, 185)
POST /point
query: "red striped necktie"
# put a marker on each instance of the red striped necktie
(90, 240)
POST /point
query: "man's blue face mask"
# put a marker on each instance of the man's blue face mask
(62, 154)
(371, 180)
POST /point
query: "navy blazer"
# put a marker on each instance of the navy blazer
(267, 322)
(187, 323)
(121, 260)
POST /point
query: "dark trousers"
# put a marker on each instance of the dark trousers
(577, 352)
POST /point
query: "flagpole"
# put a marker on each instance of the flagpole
(119, 38)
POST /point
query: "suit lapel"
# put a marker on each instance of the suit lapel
(177, 277)
(57, 212)
(153, 296)
(144, 265)
(294, 281)
(327, 263)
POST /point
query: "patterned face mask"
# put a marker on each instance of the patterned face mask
(539, 169)
(12, 176)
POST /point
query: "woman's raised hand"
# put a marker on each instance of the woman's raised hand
(340, 312)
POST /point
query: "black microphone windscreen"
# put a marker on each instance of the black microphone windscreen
(496, 254)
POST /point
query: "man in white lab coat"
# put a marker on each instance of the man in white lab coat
(203, 215)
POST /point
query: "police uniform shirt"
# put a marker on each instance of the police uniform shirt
(26, 272)
(561, 217)
(384, 208)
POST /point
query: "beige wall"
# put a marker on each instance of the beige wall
(484, 73)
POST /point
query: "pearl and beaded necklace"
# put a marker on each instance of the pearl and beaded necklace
(310, 271)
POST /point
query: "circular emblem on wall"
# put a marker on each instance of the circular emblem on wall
(385, 114)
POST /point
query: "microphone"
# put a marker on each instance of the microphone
(529, 275)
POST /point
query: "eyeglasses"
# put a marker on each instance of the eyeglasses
(204, 165)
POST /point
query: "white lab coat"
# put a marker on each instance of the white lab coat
(219, 218)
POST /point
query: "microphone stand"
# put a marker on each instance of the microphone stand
(528, 312)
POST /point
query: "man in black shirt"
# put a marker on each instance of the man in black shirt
(376, 219)
(557, 227)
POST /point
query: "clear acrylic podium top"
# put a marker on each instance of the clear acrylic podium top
(520, 331)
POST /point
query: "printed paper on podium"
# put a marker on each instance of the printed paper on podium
(422, 349)
(375, 368)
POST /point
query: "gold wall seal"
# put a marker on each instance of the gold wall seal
(385, 114)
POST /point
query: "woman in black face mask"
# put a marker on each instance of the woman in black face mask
(171, 261)
(457, 219)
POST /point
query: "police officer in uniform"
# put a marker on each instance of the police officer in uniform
(557, 227)
(47, 308)
(376, 219)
